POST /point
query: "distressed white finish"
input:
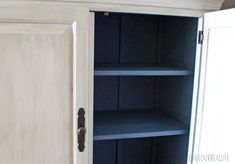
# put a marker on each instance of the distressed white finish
(180, 4)
(192, 8)
(183, 4)
(53, 26)
(43, 81)
(90, 86)
(215, 121)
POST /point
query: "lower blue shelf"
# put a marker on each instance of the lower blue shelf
(124, 124)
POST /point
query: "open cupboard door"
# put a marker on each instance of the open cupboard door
(215, 121)
(43, 83)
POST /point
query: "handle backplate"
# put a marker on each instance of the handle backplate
(81, 131)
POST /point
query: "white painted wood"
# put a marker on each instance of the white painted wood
(195, 94)
(91, 86)
(180, 4)
(43, 81)
(215, 121)
(183, 4)
(145, 8)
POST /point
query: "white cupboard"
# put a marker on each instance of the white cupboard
(115, 83)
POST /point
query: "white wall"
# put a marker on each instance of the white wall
(228, 4)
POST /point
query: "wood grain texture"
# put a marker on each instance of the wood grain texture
(42, 50)
(36, 100)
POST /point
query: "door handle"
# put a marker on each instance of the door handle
(81, 131)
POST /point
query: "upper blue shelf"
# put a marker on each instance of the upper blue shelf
(139, 70)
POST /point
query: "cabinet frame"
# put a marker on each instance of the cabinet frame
(86, 100)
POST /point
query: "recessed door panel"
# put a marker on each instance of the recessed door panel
(216, 100)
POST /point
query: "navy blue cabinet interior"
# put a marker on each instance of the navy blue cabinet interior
(144, 72)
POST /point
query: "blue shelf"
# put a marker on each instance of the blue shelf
(139, 70)
(109, 125)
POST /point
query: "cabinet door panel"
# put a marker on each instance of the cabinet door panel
(39, 59)
(216, 100)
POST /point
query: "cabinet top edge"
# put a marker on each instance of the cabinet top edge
(190, 8)
(203, 5)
